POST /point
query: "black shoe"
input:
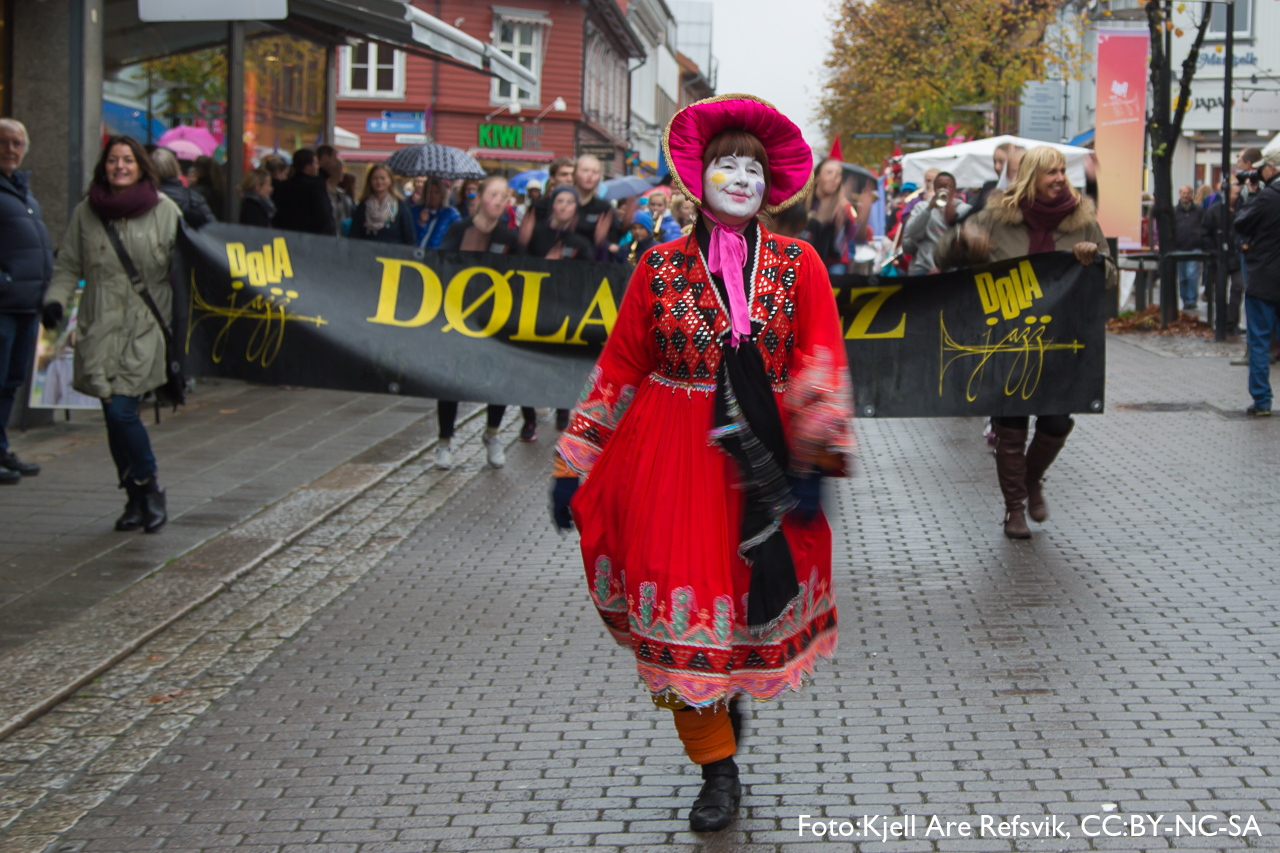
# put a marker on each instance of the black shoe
(154, 513)
(562, 419)
(1255, 412)
(11, 461)
(131, 519)
(9, 478)
(529, 432)
(718, 800)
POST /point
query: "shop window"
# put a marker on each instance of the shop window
(371, 70)
(1244, 21)
(519, 37)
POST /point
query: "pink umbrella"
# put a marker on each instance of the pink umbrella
(182, 149)
(199, 136)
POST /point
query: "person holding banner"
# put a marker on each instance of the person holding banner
(1041, 212)
(720, 399)
(482, 232)
(120, 240)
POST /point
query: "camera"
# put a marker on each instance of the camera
(1249, 176)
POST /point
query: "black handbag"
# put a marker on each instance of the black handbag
(174, 390)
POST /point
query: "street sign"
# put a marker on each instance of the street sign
(203, 10)
(394, 125)
(404, 114)
(411, 138)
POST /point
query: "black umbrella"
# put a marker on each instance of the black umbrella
(858, 175)
(434, 161)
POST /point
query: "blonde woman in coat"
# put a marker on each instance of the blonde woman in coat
(1040, 212)
(119, 350)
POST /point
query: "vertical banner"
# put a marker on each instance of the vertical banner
(1121, 124)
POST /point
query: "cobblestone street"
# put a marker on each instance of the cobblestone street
(423, 670)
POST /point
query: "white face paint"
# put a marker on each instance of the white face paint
(733, 188)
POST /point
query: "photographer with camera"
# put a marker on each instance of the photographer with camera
(1258, 222)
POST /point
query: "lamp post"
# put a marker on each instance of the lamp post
(1224, 244)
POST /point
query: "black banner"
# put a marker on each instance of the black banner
(277, 307)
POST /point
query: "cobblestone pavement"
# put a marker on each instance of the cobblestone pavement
(232, 450)
(423, 671)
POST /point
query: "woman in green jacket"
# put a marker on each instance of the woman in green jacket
(119, 351)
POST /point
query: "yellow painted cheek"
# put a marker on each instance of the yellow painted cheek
(718, 178)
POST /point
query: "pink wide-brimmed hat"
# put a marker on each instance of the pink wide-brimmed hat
(790, 157)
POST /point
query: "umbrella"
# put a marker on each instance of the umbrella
(858, 175)
(202, 138)
(520, 181)
(433, 160)
(183, 149)
(624, 187)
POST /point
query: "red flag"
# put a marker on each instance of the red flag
(836, 153)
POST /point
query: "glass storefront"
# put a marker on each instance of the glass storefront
(284, 95)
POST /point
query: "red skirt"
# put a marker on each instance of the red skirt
(660, 517)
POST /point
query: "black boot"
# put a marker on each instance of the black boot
(735, 718)
(132, 517)
(718, 800)
(154, 514)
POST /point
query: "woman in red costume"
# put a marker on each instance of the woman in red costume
(720, 399)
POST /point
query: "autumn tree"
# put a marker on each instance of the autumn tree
(189, 78)
(912, 62)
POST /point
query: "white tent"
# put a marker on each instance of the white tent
(970, 162)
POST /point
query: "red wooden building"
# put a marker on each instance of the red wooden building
(579, 49)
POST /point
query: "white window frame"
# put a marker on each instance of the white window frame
(375, 49)
(537, 49)
(1213, 35)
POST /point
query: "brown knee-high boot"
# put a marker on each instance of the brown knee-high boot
(1011, 469)
(1040, 455)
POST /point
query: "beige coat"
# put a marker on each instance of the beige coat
(1010, 238)
(119, 347)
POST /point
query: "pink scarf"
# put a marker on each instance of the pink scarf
(725, 257)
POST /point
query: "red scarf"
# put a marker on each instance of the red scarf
(1044, 215)
(133, 201)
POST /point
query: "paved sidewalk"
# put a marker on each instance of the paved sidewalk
(454, 690)
(234, 450)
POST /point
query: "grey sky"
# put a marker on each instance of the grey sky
(775, 49)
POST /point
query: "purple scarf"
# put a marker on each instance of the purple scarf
(132, 202)
(1043, 216)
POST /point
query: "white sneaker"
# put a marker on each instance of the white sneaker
(444, 456)
(497, 457)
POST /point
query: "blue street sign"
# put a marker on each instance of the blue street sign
(403, 114)
(394, 125)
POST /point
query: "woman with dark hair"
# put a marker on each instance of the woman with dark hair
(119, 349)
(720, 399)
(209, 183)
(1041, 212)
(382, 215)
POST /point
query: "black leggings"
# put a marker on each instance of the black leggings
(447, 416)
(1054, 425)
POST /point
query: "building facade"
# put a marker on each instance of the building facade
(580, 104)
(655, 83)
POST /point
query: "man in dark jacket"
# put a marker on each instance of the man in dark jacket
(26, 265)
(302, 202)
(1258, 222)
(1214, 238)
(1188, 218)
